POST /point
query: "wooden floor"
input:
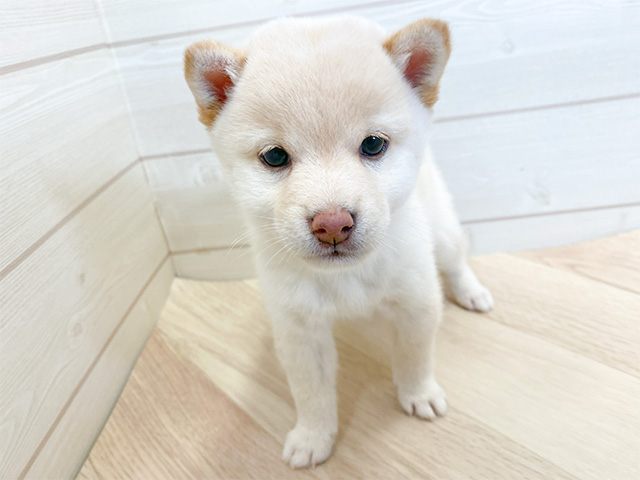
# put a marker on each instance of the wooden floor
(545, 386)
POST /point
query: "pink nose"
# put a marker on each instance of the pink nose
(332, 226)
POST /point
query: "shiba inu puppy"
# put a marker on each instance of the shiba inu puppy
(322, 129)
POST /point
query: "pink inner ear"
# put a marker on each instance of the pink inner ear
(219, 81)
(417, 67)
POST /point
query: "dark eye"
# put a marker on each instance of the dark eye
(275, 157)
(372, 146)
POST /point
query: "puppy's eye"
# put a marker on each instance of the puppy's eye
(275, 157)
(372, 146)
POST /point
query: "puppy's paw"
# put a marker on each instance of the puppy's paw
(305, 448)
(427, 404)
(477, 299)
(470, 293)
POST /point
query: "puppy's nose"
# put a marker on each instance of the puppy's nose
(332, 226)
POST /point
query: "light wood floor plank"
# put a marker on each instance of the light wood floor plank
(88, 472)
(613, 260)
(544, 387)
(581, 314)
(580, 414)
(235, 352)
(568, 409)
(195, 429)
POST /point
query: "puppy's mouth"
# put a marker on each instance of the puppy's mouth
(342, 253)
(335, 250)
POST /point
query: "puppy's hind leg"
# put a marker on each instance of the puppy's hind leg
(450, 250)
(450, 246)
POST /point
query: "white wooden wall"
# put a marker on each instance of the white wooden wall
(84, 267)
(537, 131)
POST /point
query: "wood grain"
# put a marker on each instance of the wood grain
(88, 472)
(614, 260)
(32, 29)
(133, 21)
(59, 306)
(576, 413)
(61, 122)
(524, 403)
(69, 444)
(610, 333)
(543, 161)
(190, 447)
(541, 231)
(579, 414)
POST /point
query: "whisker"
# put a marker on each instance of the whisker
(274, 255)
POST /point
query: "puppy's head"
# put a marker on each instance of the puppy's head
(321, 127)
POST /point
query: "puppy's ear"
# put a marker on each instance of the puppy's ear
(211, 70)
(421, 51)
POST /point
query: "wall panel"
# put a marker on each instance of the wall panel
(79, 236)
(61, 304)
(35, 29)
(194, 203)
(544, 161)
(540, 231)
(217, 263)
(65, 132)
(134, 21)
(71, 440)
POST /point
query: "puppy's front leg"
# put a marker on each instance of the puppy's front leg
(307, 352)
(414, 361)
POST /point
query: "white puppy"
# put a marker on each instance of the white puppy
(322, 129)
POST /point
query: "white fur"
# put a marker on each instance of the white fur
(317, 88)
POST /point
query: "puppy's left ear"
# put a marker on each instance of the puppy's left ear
(421, 51)
(211, 70)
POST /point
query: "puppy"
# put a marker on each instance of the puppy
(322, 128)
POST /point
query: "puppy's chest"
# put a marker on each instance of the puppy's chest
(343, 295)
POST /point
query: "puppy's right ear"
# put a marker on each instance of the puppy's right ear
(211, 70)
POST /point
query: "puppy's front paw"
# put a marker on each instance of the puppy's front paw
(306, 448)
(427, 404)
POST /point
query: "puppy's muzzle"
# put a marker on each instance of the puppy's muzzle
(332, 226)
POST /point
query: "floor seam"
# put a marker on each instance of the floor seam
(572, 272)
